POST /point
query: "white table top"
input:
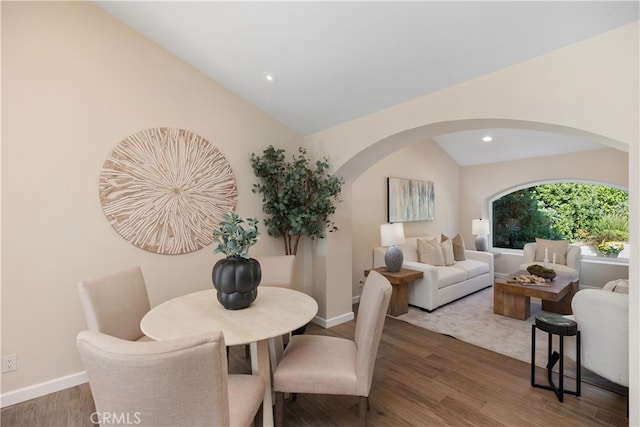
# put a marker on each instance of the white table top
(275, 312)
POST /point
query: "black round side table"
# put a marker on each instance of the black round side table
(555, 324)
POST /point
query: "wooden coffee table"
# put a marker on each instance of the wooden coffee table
(399, 303)
(514, 299)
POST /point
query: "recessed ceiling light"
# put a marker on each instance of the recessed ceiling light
(269, 77)
(487, 138)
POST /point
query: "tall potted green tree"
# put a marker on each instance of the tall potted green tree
(236, 277)
(298, 199)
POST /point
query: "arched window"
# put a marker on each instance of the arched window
(594, 216)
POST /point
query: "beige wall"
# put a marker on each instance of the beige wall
(423, 160)
(75, 82)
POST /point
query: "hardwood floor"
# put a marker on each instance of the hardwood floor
(421, 379)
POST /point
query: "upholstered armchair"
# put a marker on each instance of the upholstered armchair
(181, 382)
(569, 265)
(277, 270)
(603, 321)
(116, 303)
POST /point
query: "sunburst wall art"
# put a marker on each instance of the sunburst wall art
(165, 190)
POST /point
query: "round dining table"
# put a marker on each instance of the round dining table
(275, 312)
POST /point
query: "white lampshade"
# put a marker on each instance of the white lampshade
(480, 226)
(392, 234)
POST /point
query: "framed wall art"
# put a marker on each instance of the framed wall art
(410, 200)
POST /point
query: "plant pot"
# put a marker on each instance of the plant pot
(236, 279)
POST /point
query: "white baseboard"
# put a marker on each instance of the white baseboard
(42, 389)
(328, 323)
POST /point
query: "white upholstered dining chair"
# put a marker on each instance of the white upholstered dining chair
(116, 303)
(277, 270)
(330, 365)
(181, 382)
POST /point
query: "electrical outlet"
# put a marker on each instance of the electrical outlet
(9, 363)
(361, 283)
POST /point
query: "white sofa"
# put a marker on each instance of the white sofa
(442, 284)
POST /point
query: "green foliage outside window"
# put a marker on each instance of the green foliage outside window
(589, 213)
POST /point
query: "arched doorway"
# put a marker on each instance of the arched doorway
(337, 257)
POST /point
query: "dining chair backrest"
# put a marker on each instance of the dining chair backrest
(157, 383)
(116, 303)
(372, 312)
(277, 270)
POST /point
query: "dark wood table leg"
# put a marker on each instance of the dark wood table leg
(399, 303)
(511, 305)
(564, 305)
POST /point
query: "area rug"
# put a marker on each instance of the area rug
(471, 319)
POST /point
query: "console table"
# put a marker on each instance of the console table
(399, 303)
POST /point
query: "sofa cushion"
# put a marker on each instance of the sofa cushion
(430, 252)
(472, 267)
(448, 276)
(458, 246)
(557, 247)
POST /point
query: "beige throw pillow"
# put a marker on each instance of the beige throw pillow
(447, 252)
(458, 246)
(558, 247)
(430, 252)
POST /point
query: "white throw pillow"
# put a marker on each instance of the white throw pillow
(447, 252)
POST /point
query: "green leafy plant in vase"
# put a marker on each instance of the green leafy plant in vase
(299, 197)
(236, 277)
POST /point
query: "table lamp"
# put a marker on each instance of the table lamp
(480, 227)
(392, 235)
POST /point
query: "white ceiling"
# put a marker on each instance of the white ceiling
(337, 61)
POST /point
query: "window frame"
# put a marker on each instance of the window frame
(530, 184)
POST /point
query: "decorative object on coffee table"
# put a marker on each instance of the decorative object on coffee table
(540, 271)
(165, 189)
(392, 235)
(480, 228)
